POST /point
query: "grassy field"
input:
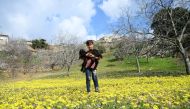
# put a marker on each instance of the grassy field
(162, 84)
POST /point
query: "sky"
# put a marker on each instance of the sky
(49, 19)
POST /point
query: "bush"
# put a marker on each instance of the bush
(100, 47)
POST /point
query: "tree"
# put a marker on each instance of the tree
(17, 56)
(69, 50)
(100, 47)
(165, 20)
(121, 50)
(173, 25)
(134, 42)
(39, 44)
(132, 45)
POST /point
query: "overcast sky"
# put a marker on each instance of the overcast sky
(32, 19)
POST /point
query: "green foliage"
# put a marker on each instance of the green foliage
(39, 44)
(163, 27)
(101, 48)
(120, 52)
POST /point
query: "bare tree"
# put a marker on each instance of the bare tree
(55, 59)
(69, 50)
(17, 57)
(133, 45)
(134, 40)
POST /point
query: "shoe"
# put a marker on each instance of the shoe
(97, 89)
(88, 93)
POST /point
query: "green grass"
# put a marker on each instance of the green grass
(155, 64)
(111, 68)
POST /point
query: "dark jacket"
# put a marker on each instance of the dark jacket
(96, 53)
(82, 55)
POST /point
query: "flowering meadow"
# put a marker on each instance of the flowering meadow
(119, 88)
(121, 93)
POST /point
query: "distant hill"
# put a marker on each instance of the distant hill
(110, 38)
(110, 41)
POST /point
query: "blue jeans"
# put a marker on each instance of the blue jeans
(88, 77)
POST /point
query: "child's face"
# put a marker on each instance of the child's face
(90, 46)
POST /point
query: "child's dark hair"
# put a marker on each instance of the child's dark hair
(88, 42)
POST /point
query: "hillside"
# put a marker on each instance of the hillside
(120, 87)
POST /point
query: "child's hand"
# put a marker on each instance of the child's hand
(90, 55)
(87, 54)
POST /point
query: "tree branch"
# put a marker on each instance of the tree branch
(183, 31)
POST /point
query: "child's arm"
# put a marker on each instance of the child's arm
(98, 54)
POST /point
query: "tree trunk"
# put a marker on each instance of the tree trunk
(13, 72)
(187, 62)
(147, 57)
(68, 70)
(185, 58)
(187, 65)
(138, 65)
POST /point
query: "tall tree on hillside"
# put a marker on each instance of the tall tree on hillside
(170, 21)
(167, 21)
(173, 25)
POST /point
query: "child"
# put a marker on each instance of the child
(92, 60)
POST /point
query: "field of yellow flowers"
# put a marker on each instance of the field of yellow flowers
(120, 88)
(120, 93)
